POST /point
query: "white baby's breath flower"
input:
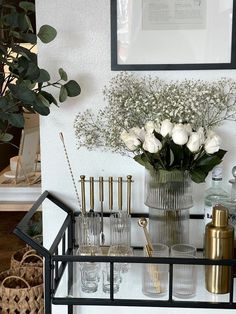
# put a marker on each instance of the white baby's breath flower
(151, 144)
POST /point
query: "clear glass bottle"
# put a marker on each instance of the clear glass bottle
(215, 194)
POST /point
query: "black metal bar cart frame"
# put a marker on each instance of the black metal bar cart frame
(56, 263)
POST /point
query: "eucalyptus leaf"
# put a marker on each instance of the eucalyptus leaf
(22, 93)
(33, 71)
(63, 74)
(22, 22)
(11, 19)
(42, 99)
(73, 88)
(49, 97)
(27, 6)
(29, 38)
(6, 137)
(30, 27)
(25, 52)
(16, 119)
(3, 103)
(42, 110)
(63, 94)
(46, 33)
(44, 76)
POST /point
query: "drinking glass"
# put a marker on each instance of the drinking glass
(184, 275)
(89, 227)
(106, 278)
(120, 238)
(155, 276)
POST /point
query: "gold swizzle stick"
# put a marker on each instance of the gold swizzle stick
(129, 180)
(101, 199)
(71, 172)
(91, 194)
(82, 185)
(152, 268)
(143, 223)
(120, 196)
(110, 189)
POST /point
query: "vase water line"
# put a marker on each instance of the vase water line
(168, 194)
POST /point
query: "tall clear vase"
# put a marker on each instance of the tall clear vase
(168, 194)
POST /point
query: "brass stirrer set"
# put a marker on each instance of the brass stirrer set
(120, 182)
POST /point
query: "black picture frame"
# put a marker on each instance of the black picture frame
(115, 66)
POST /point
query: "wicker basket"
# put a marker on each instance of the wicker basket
(20, 296)
(20, 257)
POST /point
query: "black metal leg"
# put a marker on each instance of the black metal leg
(47, 286)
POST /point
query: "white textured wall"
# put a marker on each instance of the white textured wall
(82, 48)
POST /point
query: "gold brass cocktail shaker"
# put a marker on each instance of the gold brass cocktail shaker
(219, 244)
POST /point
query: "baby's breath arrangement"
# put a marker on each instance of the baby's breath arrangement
(134, 100)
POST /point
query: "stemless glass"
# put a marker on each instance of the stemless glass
(89, 227)
(155, 276)
(120, 238)
(184, 275)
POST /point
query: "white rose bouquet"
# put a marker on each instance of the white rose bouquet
(168, 146)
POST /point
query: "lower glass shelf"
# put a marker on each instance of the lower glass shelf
(128, 286)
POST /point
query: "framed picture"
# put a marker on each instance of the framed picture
(173, 34)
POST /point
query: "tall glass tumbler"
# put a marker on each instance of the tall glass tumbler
(89, 228)
(155, 276)
(184, 275)
(120, 236)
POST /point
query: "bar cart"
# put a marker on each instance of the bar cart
(62, 280)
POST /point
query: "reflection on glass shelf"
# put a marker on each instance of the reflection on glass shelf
(130, 286)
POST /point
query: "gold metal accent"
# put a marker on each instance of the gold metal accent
(101, 199)
(129, 180)
(120, 196)
(110, 180)
(82, 184)
(143, 223)
(91, 194)
(219, 244)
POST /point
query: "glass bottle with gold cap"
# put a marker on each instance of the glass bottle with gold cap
(219, 244)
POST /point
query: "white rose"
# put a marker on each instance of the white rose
(201, 134)
(212, 143)
(157, 125)
(179, 134)
(130, 140)
(140, 133)
(150, 126)
(151, 143)
(194, 142)
(188, 128)
(166, 128)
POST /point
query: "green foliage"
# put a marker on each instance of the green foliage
(22, 81)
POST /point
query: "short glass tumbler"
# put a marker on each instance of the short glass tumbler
(155, 276)
(89, 277)
(184, 275)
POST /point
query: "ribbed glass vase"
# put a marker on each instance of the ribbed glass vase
(168, 194)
